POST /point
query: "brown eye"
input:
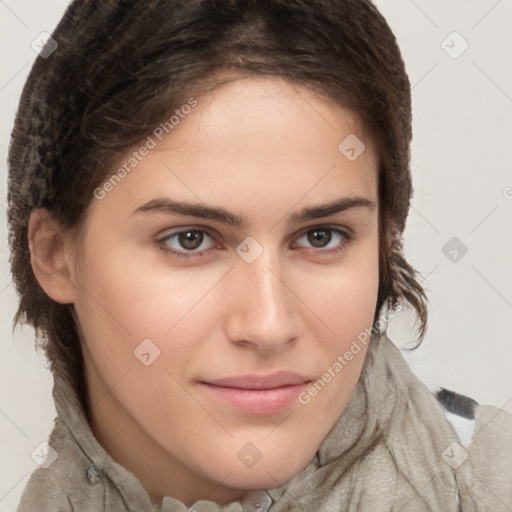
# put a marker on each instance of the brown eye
(320, 238)
(190, 239)
(185, 242)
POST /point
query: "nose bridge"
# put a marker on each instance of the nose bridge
(263, 306)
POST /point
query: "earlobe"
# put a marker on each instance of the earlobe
(48, 256)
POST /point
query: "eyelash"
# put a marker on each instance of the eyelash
(348, 238)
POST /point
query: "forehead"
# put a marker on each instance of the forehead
(256, 144)
(266, 111)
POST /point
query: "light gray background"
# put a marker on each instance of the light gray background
(461, 160)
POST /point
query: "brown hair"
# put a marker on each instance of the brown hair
(122, 66)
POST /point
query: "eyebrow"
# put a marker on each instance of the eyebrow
(203, 211)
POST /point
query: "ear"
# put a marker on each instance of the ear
(49, 256)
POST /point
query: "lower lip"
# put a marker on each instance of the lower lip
(257, 401)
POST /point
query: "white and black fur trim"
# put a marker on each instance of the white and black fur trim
(460, 412)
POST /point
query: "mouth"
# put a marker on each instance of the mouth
(257, 394)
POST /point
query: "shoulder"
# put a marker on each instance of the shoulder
(43, 494)
(60, 480)
(46, 487)
(485, 431)
(474, 422)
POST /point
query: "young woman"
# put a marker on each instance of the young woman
(206, 204)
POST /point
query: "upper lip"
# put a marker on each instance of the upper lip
(270, 381)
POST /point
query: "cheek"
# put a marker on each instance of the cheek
(125, 289)
(134, 321)
(347, 308)
(346, 297)
(134, 312)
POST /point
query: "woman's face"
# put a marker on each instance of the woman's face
(206, 324)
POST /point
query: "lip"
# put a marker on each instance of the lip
(258, 394)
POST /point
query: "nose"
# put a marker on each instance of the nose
(263, 311)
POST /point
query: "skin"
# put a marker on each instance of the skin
(264, 149)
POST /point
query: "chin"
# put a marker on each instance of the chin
(268, 471)
(264, 477)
